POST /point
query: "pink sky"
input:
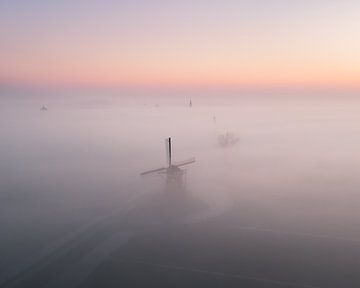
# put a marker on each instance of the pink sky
(181, 43)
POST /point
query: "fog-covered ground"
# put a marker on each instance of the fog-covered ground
(294, 170)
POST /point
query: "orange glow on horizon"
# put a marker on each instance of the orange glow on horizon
(296, 79)
(300, 44)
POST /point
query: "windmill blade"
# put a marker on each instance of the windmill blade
(153, 171)
(168, 150)
(185, 162)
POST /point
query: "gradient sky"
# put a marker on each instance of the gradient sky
(261, 43)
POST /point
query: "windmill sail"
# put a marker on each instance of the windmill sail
(153, 171)
(168, 150)
(185, 162)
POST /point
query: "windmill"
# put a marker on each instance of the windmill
(175, 177)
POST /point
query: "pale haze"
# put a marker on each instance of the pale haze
(246, 114)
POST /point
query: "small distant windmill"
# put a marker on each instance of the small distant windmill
(175, 177)
(190, 104)
(43, 108)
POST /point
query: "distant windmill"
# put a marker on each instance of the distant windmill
(175, 177)
(43, 108)
(190, 104)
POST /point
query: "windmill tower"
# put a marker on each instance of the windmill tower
(175, 177)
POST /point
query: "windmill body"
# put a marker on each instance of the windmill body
(175, 177)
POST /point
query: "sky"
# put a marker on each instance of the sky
(206, 43)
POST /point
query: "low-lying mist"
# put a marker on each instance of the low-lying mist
(295, 168)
